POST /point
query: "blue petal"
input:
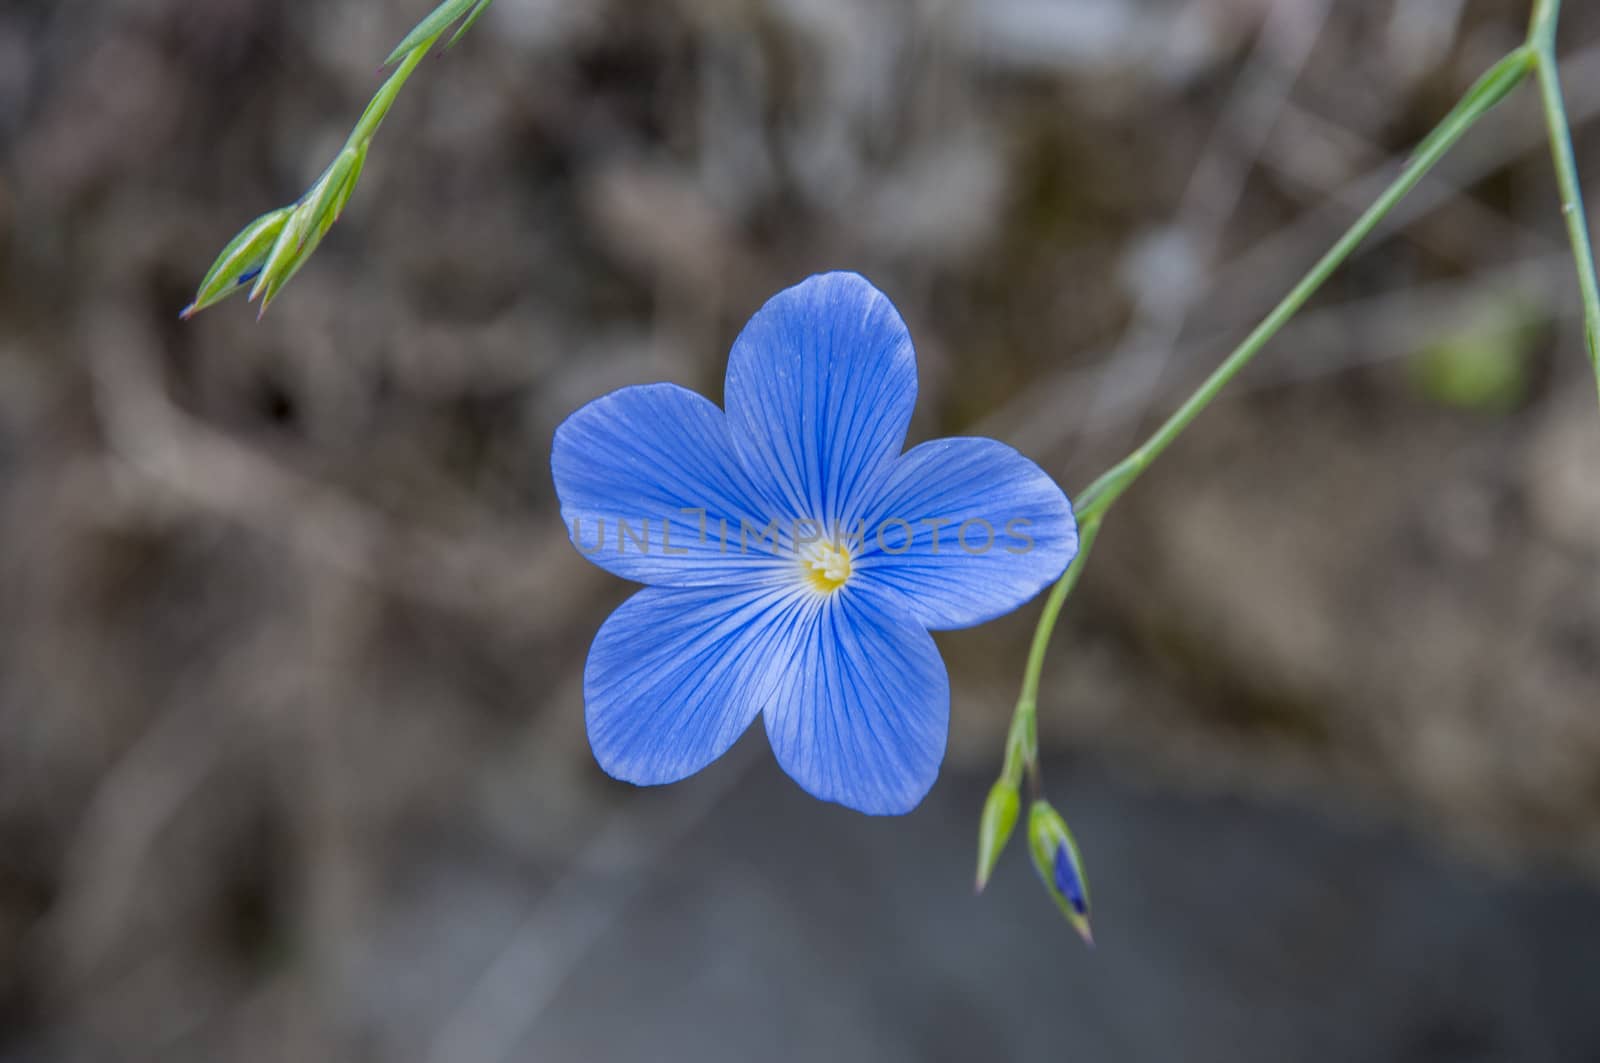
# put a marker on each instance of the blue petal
(677, 674)
(862, 713)
(967, 530)
(1067, 880)
(820, 388)
(629, 466)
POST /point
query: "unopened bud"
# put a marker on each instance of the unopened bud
(312, 217)
(1000, 811)
(241, 261)
(1055, 857)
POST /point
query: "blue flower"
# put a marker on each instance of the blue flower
(794, 558)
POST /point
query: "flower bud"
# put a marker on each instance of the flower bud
(1000, 812)
(1055, 857)
(241, 261)
(309, 222)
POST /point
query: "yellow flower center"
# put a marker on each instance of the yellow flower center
(827, 566)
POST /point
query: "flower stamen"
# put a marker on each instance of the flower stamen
(827, 566)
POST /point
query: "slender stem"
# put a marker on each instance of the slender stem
(272, 249)
(378, 109)
(1099, 496)
(1542, 41)
(1023, 737)
(1542, 27)
(1024, 720)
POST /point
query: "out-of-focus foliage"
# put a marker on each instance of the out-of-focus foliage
(1483, 364)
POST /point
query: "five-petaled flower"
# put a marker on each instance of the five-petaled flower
(795, 559)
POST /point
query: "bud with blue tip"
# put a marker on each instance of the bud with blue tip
(270, 250)
(241, 261)
(1055, 857)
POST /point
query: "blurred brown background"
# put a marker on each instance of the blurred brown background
(292, 764)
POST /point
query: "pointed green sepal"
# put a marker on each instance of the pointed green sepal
(313, 216)
(269, 284)
(1055, 857)
(286, 247)
(1000, 811)
(1022, 744)
(469, 22)
(240, 262)
(429, 28)
(343, 198)
(333, 191)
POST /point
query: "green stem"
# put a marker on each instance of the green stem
(1024, 735)
(1022, 739)
(1542, 42)
(1489, 90)
(378, 109)
(272, 248)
